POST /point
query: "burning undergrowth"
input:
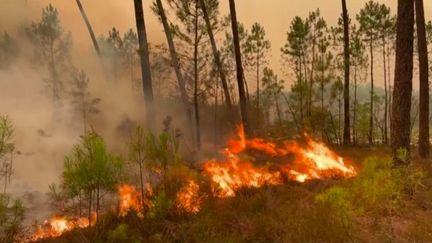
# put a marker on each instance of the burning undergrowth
(246, 163)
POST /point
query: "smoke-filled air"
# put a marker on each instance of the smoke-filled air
(215, 121)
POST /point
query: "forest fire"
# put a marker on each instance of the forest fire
(293, 161)
(313, 160)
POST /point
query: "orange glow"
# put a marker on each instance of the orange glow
(57, 226)
(129, 199)
(314, 160)
(188, 198)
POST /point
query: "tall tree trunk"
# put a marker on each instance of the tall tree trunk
(346, 132)
(142, 184)
(174, 59)
(424, 144)
(371, 123)
(196, 76)
(217, 57)
(242, 94)
(145, 62)
(355, 107)
(89, 28)
(401, 107)
(385, 138)
(258, 82)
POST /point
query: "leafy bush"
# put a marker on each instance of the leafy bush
(123, 234)
(380, 187)
(11, 218)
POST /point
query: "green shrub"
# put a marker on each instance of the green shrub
(11, 218)
(380, 187)
(122, 234)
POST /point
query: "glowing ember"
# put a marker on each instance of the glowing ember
(57, 226)
(314, 160)
(188, 198)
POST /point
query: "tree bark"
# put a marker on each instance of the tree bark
(346, 132)
(145, 62)
(371, 123)
(174, 58)
(401, 107)
(424, 144)
(196, 77)
(242, 94)
(385, 137)
(217, 57)
(89, 28)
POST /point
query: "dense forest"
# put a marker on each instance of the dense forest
(200, 137)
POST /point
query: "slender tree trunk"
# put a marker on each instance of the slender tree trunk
(258, 82)
(145, 62)
(174, 59)
(217, 57)
(355, 107)
(402, 93)
(389, 85)
(242, 95)
(371, 115)
(385, 137)
(142, 184)
(311, 78)
(346, 132)
(196, 105)
(89, 28)
(90, 206)
(424, 143)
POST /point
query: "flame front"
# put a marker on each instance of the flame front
(188, 198)
(58, 225)
(129, 199)
(314, 160)
(311, 160)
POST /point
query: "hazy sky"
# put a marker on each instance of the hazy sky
(274, 15)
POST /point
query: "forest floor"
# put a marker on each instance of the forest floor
(381, 204)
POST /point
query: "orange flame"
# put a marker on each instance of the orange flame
(129, 199)
(58, 225)
(188, 198)
(312, 161)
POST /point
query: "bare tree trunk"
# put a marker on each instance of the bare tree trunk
(400, 126)
(371, 123)
(355, 107)
(90, 207)
(196, 105)
(424, 144)
(346, 131)
(174, 58)
(217, 57)
(142, 184)
(145, 62)
(385, 92)
(242, 95)
(90, 29)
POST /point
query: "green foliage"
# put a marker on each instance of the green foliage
(336, 199)
(91, 168)
(11, 218)
(52, 47)
(123, 234)
(7, 149)
(84, 104)
(161, 208)
(380, 187)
